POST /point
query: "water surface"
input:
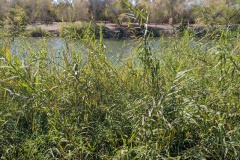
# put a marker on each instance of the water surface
(55, 48)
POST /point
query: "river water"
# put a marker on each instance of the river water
(56, 47)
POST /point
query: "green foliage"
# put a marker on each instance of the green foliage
(179, 103)
(160, 11)
(139, 11)
(16, 20)
(1, 24)
(69, 12)
(79, 30)
(219, 12)
(38, 32)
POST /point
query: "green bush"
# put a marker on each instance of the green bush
(16, 20)
(179, 103)
(79, 30)
(38, 32)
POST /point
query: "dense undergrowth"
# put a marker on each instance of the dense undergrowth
(182, 102)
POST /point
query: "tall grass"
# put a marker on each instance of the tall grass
(182, 102)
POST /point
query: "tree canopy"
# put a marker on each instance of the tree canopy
(160, 11)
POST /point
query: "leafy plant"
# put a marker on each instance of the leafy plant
(181, 102)
(17, 20)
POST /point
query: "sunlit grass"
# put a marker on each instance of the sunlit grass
(182, 102)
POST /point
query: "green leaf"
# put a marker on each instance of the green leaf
(7, 52)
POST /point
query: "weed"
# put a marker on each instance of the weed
(179, 103)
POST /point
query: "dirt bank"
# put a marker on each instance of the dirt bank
(112, 28)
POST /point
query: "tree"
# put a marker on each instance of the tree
(80, 10)
(163, 10)
(4, 8)
(113, 9)
(220, 12)
(16, 19)
(30, 7)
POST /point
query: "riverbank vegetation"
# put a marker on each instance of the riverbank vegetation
(15, 15)
(160, 11)
(179, 102)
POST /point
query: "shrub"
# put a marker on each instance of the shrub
(78, 30)
(38, 32)
(16, 20)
